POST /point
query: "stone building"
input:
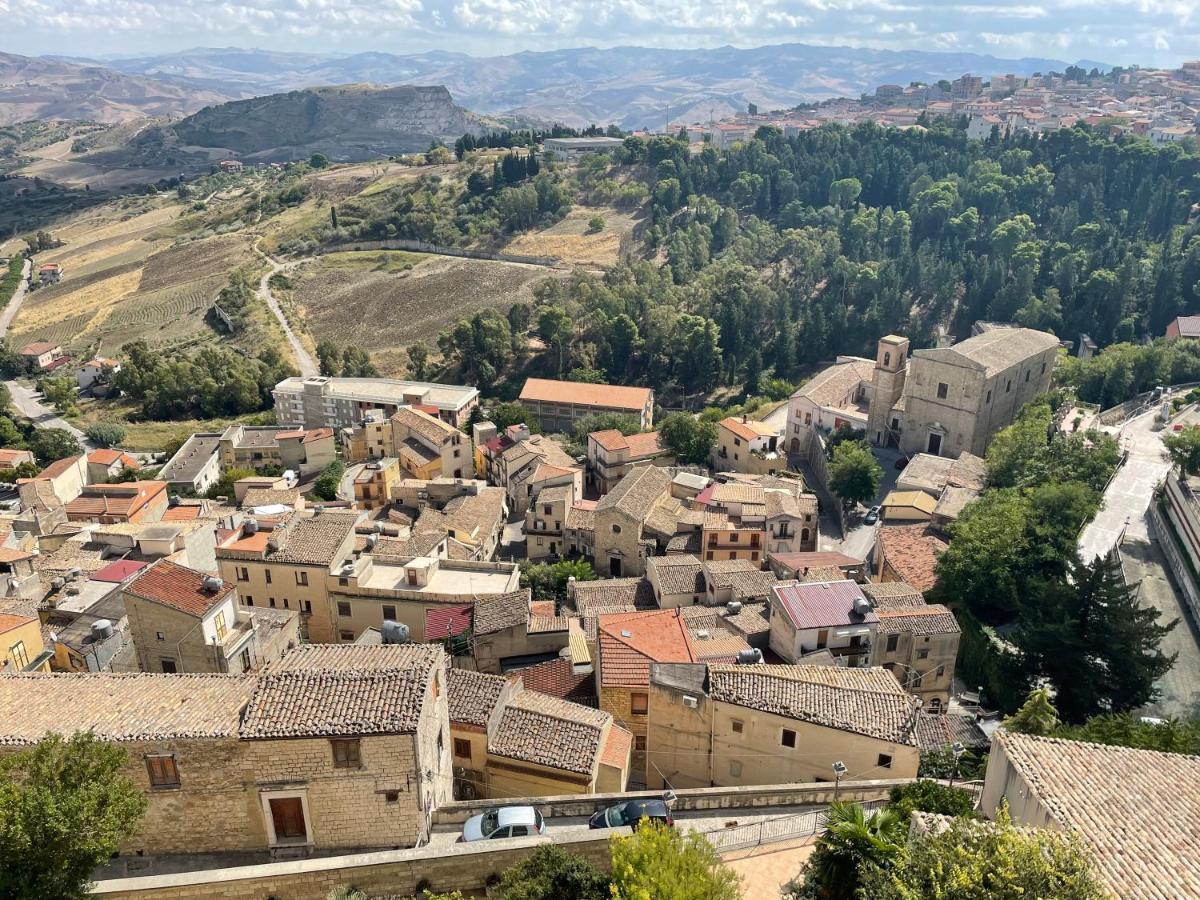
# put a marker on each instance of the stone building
(612, 455)
(133, 501)
(623, 541)
(832, 616)
(747, 446)
(182, 620)
(727, 725)
(916, 641)
(947, 400)
(426, 446)
(838, 396)
(546, 522)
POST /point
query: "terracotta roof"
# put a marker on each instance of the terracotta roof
(428, 427)
(8, 621)
(912, 552)
(57, 467)
(126, 707)
(892, 595)
(611, 396)
(998, 349)
(446, 622)
(613, 595)
(107, 457)
(927, 620)
(472, 696)
(37, 348)
(312, 541)
(178, 587)
(543, 624)
(863, 701)
(359, 658)
(747, 430)
(644, 445)
(831, 386)
(738, 492)
(798, 562)
(616, 747)
(636, 493)
(558, 678)
(630, 642)
(754, 618)
(918, 500)
(936, 731)
(501, 611)
(270, 497)
(1136, 810)
(826, 604)
(120, 500)
(723, 648)
(545, 730)
(12, 456)
(181, 513)
(610, 439)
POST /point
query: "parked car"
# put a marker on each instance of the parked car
(503, 822)
(631, 812)
(872, 516)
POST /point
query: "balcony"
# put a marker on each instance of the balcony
(851, 650)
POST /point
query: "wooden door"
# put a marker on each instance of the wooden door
(287, 815)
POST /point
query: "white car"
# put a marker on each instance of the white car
(504, 822)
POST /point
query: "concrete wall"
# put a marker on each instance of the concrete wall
(1005, 783)
(182, 638)
(311, 600)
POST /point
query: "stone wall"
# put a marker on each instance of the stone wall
(464, 867)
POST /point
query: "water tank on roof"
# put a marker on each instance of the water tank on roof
(394, 632)
(212, 584)
(174, 500)
(749, 657)
(861, 606)
(733, 607)
(250, 526)
(102, 629)
(372, 540)
(74, 572)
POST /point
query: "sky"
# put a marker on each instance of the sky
(1147, 32)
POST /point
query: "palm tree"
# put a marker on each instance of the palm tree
(851, 842)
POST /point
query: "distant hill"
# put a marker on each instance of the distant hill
(48, 88)
(633, 86)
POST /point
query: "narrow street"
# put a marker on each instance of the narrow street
(28, 402)
(304, 361)
(14, 303)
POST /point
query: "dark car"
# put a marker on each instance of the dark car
(631, 812)
(872, 516)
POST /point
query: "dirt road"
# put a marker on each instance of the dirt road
(304, 361)
(18, 297)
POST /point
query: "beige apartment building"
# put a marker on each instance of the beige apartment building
(917, 642)
(733, 725)
(259, 446)
(334, 751)
(558, 405)
(546, 520)
(375, 481)
(949, 400)
(291, 566)
(321, 401)
(747, 446)
(182, 620)
(612, 455)
(426, 446)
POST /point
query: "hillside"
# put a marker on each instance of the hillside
(632, 86)
(346, 122)
(45, 88)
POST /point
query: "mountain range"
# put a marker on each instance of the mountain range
(631, 86)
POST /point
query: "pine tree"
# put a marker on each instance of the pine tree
(531, 164)
(333, 217)
(1036, 716)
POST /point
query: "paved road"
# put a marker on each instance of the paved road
(697, 820)
(304, 361)
(18, 297)
(29, 404)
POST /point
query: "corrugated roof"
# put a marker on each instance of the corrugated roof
(826, 604)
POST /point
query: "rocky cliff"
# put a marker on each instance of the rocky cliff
(345, 122)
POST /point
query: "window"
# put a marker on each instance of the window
(943, 390)
(989, 397)
(1027, 375)
(162, 771)
(884, 761)
(708, 555)
(787, 738)
(941, 670)
(735, 768)
(245, 658)
(343, 581)
(1008, 386)
(922, 654)
(168, 666)
(391, 796)
(248, 600)
(346, 754)
(639, 743)
(639, 704)
(733, 538)
(267, 573)
(462, 748)
(754, 557)
(219, 625)
(737, 442)
(19, 655)
(616, 529)
(343, 608)
(892, 641)
(808, 418)
(887, 359)
(287, 604)
(271, 600)
(737, 725)
(389, 612)
(302, 579)
(546, 508)
(308, 606)
(346, 636)
(243, 574)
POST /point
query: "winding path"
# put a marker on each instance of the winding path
(304, 361)
(18, 297)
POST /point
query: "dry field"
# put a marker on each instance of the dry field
(572, 242)
(348, 302)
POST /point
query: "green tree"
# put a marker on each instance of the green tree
(690, 440)
(854, 473)
(318, 160)
(329, 357)
(557, 329)
(356, 363)
(223, 486)
(105, 434)
(1131, 730)
(548, 581)
(49, 444)
(851, 845)
(596, 224)
(418, 361)
(1036, 716)
(502, 415)
(1013, 448)
(931, 797)
(65, 808)
(661, 863)
(326, 485)
(995, 861)
(604, 422)
(552, 873)
(1184, 449)
(62, 393)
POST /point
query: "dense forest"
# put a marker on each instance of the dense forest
(782, 252)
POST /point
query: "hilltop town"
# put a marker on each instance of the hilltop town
(430, 523)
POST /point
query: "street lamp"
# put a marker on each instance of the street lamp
(839, 769)
(958, 750)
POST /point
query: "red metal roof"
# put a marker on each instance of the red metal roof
(827, 604)
(118, 571)
(446, 622)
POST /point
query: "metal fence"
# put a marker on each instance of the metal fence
(770, 831)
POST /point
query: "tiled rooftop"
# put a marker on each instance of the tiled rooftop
(830, 386)
(545, 730)
(630, 642)
(612, 595)
(863, 701)
(636, 493)
(472, 696)
(133, 707)
(353, 657)
(1136, 810)
(612, 396)
(678, 574)
(178, 587)
(912, 552)
(501, 611)
(557, 678)
(312, 541)
(892, 595)
(927, 620)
